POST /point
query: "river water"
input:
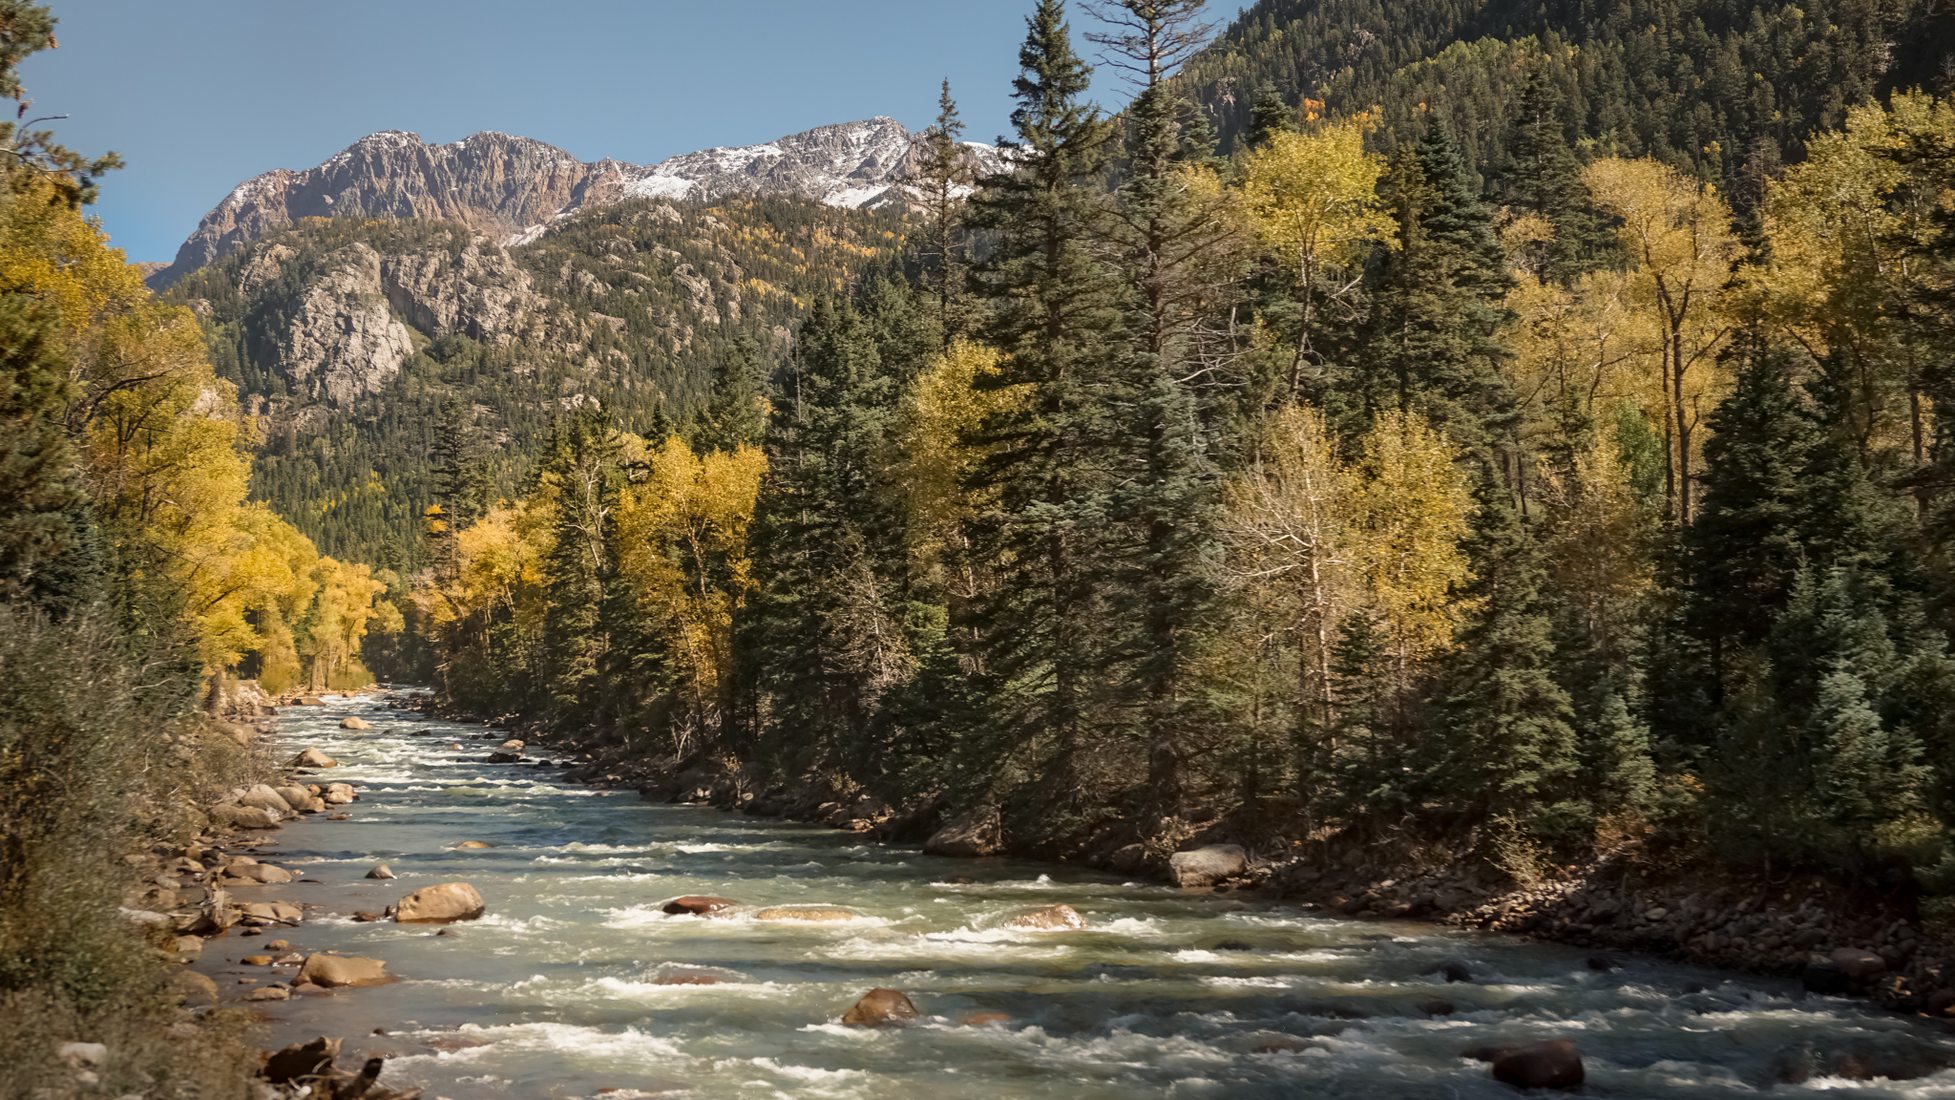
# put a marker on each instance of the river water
(561, 990)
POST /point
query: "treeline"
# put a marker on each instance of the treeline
(1728, 89)
(136, 578)
(1315, 492)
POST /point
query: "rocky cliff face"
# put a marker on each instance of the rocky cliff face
(512, 188)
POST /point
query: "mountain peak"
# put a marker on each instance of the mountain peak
(514, 186)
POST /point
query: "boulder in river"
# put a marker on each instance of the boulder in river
(246, 817)
(352, 722)
(1555, 1064)
(984, 1019)
(271, 912)
(192, 988)
(313, 758)
(472, 845)
(511, 745)
(1858, 967)
(881, 1008)
(338, 794)
(381, 870)
(806, 913)
(978, 833)
(337, 971)
(301, 1060)
(301, 800)
(261, 874)
(1208, 865)
(697, 905)
(1050, 918)
(265, 797)
(450, 901)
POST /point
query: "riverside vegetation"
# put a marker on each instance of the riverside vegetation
(1466, 462)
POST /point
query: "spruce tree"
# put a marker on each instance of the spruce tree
(1049, 469)
(735, 415)
(943, 180)
(1436, 344)
(47, 544)
(1269, 115)
(578, 572)
(1510, 725)
(1544, 179)
(1160, 237)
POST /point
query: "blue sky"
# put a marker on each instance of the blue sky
(200, 94)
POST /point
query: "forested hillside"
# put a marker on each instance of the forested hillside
(1727, 88)
(1325, 491)
(369, 348)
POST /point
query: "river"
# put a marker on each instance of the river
(561, 990)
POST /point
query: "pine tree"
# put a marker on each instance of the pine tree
(1510, 724)
(1161, 236)
(1545, 180)
(462, 488)
(1268, 116)
(583, 472)
(1624, 774)
(736, 413)
(1049, 466)
(943, 178)
(1436, 345)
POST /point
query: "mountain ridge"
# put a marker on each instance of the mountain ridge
(514, 187)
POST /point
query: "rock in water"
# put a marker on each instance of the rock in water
(1857, 966)
(880, 1008)
(450, 901)
(192, 988)
(1551, 1065)
(338, 794)
(246, 817)
(978, 833)
(1207, 866)
(302, 1060)
(265, 798)
(351, 722)
(337, 971)
(511, 745)
(805, 913)
(1055, 918)
(698, 905)
(313, 758)
(381, 871)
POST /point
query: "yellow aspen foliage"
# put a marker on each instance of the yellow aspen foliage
(1413, 508)
(349, 601)
(942, 411)
(1677, 232)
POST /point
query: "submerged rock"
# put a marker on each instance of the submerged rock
(351, 722)
(381, 871)
(450, 901)
(271, 912)
(1054, 918)
(340, 971)
(881, 1008)
(472, 845)
(1207, 866)
(806, 913)
(1555, 1064)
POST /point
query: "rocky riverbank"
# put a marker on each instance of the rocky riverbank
(1835, 941)
(212, 887)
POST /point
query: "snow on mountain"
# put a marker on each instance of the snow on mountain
(514, 187)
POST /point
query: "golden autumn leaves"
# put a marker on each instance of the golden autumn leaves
(166, 456)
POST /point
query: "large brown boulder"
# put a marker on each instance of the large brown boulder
(262, 874)
(698, 905)
(352, 723)
(313, 758)
(1207, 866)
(450, 901)
(336, 971)
(338, 794)
(1555, 1064)
(978, 833)
(881, 1008)
(1053, 918)
(300, 799)
(1858, 967)
(805, 913)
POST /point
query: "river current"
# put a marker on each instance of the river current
(564, 988)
